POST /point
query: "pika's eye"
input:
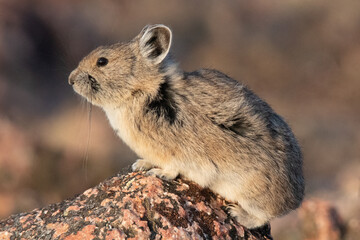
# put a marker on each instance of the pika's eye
(102, 62)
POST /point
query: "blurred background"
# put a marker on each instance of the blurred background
(302, 57)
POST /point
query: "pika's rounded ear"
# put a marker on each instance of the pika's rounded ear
(155, 42)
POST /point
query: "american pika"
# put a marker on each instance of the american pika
(202, 125)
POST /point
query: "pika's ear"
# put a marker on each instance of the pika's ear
(155, 42)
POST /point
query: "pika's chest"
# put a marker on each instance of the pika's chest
(123, 123)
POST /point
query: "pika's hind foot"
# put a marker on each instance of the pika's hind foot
(141, 165)
(163, 173)
(244, 218)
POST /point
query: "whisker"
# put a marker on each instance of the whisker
(83, 103)
(86, 158)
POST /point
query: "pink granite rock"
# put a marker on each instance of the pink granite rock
(321, 221)
(133, 206)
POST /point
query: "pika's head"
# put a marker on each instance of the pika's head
(114, 74)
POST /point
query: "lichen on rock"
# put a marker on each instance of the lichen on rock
(133, 206)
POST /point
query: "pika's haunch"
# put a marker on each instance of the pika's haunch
(202, 125)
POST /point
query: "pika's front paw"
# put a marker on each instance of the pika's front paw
(161, 173)
(141, 165)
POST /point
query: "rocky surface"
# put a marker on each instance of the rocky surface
(133, 206)
(321, 221)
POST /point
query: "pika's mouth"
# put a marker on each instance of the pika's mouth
(88, 87)
(94, 85)
(84, 84)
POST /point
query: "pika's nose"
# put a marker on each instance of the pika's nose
(71, 79)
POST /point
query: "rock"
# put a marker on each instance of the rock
(321, 221)
(133, 206)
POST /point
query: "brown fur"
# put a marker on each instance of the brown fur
(202, 125)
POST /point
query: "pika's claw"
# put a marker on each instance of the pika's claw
(161, 173)
(141, 165)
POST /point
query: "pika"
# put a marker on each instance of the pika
(202, 125)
